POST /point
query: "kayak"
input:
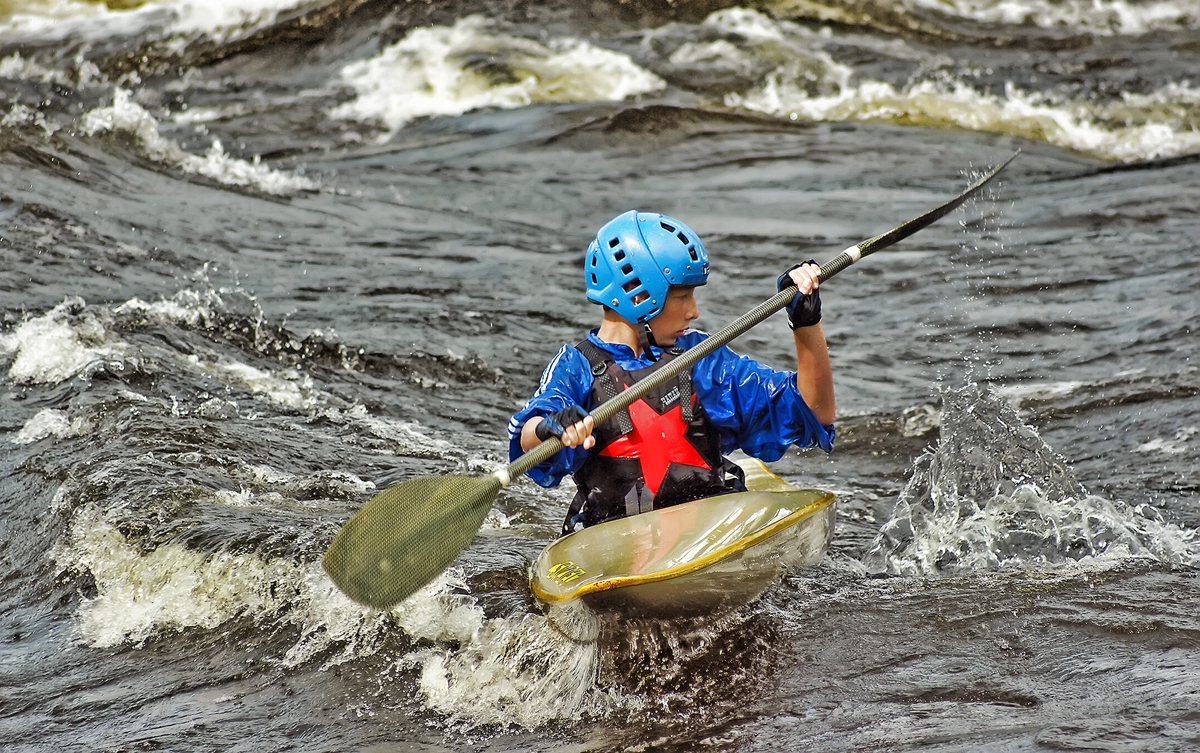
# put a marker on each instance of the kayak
(700, 558)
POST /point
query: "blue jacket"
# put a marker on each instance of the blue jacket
(757, 409)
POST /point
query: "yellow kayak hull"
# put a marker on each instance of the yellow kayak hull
(703, 557)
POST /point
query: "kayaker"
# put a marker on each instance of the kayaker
(668, 447)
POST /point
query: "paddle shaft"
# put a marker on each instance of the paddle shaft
(739, 326)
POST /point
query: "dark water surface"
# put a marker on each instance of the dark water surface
(257, 265)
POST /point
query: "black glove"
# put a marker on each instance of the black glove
(556, 423)
(804, 310)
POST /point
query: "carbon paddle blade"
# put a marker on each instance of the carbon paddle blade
(407, 535)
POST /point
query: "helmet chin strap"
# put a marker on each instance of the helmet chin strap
(646, 340)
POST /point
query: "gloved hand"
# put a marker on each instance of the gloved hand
(804, 310)
(556, 423)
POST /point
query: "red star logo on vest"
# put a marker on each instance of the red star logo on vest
(656, 441)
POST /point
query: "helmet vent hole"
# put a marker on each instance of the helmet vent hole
(667, 227)
(632, 285)
(619, 255)
(628, 268)
(682, 238)
(614, 243)
(692, 251)
(594, 280)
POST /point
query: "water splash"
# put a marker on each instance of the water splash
(993, 494)
(515, 670)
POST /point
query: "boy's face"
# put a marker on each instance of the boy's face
(677, 314)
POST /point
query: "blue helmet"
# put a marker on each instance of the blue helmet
(637, 257)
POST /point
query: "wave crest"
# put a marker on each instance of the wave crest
(126, 117)
(450, 70)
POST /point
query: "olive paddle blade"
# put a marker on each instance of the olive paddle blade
(406, 535)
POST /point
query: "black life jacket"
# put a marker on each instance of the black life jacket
(662, 450)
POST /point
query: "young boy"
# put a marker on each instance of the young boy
(668, 447)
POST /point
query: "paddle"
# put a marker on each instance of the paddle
(408, 534)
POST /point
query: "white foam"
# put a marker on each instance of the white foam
(808, 84)
(187, 307)
(19, 68)
(514, 671)
(289, 388)
(505, 671)
(170, 587)
(750, 26)
(66, 340)
(1181, 443)
(212, 16)
(1125, 130)
(268, 475)
(58, 19)
(1016, 393)
(438, 612)
(407, 435)
(50, 422)
(33, 16)
(442, 70)
(127, 117)
(52, 348)
(748, 39)
(1103, 17)
(20, 115)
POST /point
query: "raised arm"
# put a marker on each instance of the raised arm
(814, 374)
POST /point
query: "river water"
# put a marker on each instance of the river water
(260, 260)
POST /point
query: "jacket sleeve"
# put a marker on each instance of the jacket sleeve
(566, 381)
(759, 410)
